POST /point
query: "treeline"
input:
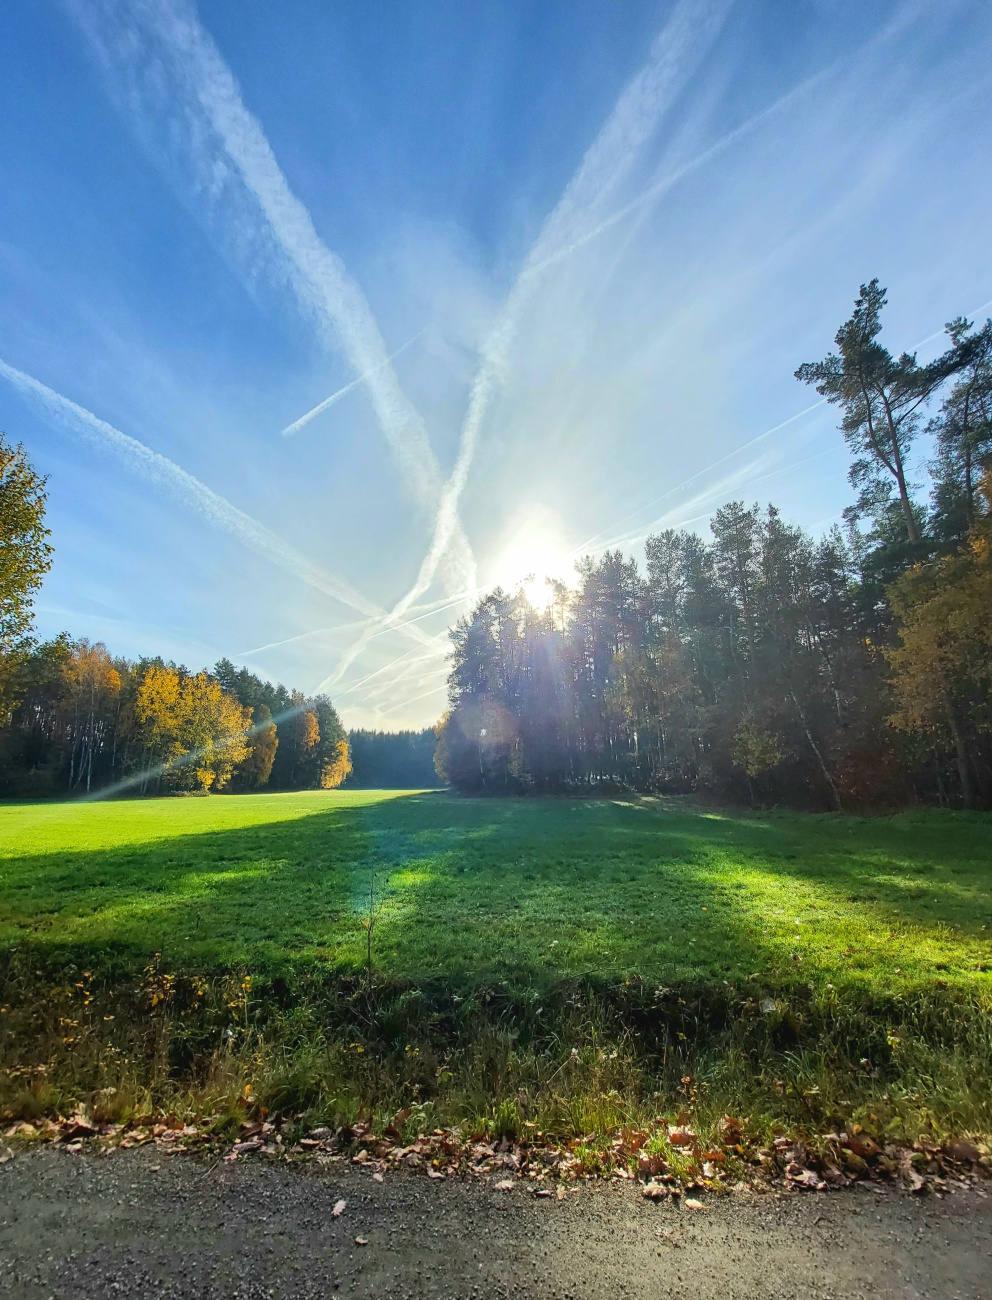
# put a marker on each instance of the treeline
(763, 664)
(393, 760)
(79, 720)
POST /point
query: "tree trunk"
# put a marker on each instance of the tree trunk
(819, 756)
(964, 764)
(912, 527)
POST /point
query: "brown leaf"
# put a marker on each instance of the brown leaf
(631, 1140)
(78, 1125)
(396, 1123)
(561, 1192)
(361, 1241)
(339, 1209)
(691, 1203)
(649, 1166)
(682, 1137)
(731, 1130)
(800, 1177)
(505, 1185)
(655, 1191)
(861, 1144)
(959, 1149)
(241, 1148)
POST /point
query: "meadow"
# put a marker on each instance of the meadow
(570, 964)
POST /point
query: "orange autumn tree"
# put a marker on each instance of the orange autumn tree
(190, 729)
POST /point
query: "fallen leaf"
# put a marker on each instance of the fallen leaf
(648, 1166)
(378, 1178)
(800, 1177)
(361, 1241)
(561, 1192)
(655, 1191)
(861, 1144)
(253, 1144)
(731, 1130)
(691, 1203)
(339, 1209)
(682, 1137)
(961, 1150)
(505, 1185)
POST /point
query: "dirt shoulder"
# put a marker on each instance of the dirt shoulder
(137, 1223)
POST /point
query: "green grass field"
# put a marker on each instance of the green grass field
(665, 929)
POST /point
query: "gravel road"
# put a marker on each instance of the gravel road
(140, 1224)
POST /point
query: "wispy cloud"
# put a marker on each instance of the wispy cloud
(161, 60)
(719, 490)
(321, 407)
(675, 55)
(183, 487)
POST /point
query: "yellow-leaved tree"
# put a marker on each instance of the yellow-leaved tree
(942, 666)
(337, 768)
(192, 731)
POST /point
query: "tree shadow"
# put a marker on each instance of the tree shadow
(471, 891)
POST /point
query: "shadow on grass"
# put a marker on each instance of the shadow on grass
(470, 890)
(516, 944)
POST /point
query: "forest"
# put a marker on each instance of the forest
(763, 665)
(82, 721)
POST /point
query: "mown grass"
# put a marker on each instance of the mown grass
(582, 963)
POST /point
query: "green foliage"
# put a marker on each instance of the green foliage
(25, 552)
(85, 721)
(675, 681)
(881, 397)
(186, 949)
(942, 666)
(25, 558)
(756, 751)
(392, 760)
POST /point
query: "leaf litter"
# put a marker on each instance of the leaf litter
(669, 1159)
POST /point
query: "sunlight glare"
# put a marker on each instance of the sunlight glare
(534, 556)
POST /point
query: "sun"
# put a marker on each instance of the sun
(534, 555)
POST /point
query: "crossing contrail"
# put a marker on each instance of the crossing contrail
(167, 68)
(647, 98)
(304, 420)
(163, 473)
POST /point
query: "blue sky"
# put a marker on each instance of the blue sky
(572, 252)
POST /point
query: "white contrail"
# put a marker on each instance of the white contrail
(675, 55)
(659, 187)
(190, 492)
(751, 442)
(304, 420)
(172, 67)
